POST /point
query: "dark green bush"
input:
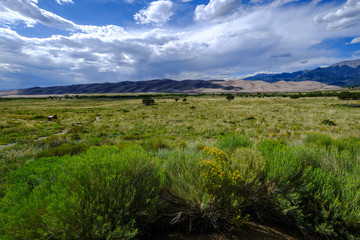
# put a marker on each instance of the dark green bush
(230, 97)
(250, 118)
(295, 96)
(328, 122)
(105, 193)
(349, 95)
(148, 101)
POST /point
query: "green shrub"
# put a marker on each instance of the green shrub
(348, 95)
(328, 122)
(231, 184)
(187, 207)
(233, 141)
(314, 187)
(295, 96)
(105, 193)
(148, 101)
(230, 97)
(250, 118)
(63, 149)
(318, 139)
(351, 144)
(154, 144)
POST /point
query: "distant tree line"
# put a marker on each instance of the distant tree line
(349, 95)
(344, 95)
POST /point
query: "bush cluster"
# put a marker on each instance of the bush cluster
(128, 192)
(349, 95)
(102, 194)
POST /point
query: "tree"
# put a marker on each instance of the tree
(148, 101)
(230, 97)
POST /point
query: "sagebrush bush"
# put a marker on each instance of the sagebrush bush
(321, 196)
(105, 193)
(225, 185)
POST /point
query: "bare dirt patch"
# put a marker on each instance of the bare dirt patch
(251, 231)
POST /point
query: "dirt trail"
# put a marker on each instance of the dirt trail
(251, 231)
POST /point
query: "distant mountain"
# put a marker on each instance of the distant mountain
(345, 73)
(172, 86)
(150, 86)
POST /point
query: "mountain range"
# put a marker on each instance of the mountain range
(341, 74)
(346, 73)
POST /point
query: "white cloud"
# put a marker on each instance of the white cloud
(355, 40)
(278, 3)
(315, 2)
(158, 12)
(26, 11)
(61, 2)
(215, 9)
(348, 15)
(260, 38)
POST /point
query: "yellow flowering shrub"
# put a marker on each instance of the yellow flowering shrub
(228, 180)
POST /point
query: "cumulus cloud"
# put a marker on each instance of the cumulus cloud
(348, 15)
(215, 9)
(158, 12)
(261, 38)
(355, 40)
(26, 11)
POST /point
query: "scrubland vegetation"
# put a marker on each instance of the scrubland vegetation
(121, 169)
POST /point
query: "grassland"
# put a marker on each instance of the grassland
(117, 169)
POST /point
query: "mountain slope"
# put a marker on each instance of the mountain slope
(345, 73)
(172, 86)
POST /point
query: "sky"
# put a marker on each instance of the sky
(64, 42)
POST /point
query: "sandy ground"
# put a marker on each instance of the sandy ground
(281, 86)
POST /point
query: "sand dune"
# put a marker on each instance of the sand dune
(172, 86)
(261, 86)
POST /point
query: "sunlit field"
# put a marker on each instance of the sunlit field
(118, 169)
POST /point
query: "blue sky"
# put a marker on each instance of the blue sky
(62, 42)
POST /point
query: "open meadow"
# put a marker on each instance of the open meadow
(110, 168)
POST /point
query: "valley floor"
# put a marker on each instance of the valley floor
(115, 168)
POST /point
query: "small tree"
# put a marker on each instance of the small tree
(230, 97)
(148, 101)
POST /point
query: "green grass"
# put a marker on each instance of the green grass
(195, 166)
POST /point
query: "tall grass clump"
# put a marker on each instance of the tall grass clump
(187, 207)
(105, 193)
(210, 189)
(233, 141)
(321, 200)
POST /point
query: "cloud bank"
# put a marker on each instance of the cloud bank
(233, 42)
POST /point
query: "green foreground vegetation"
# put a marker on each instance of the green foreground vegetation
(112, 168)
